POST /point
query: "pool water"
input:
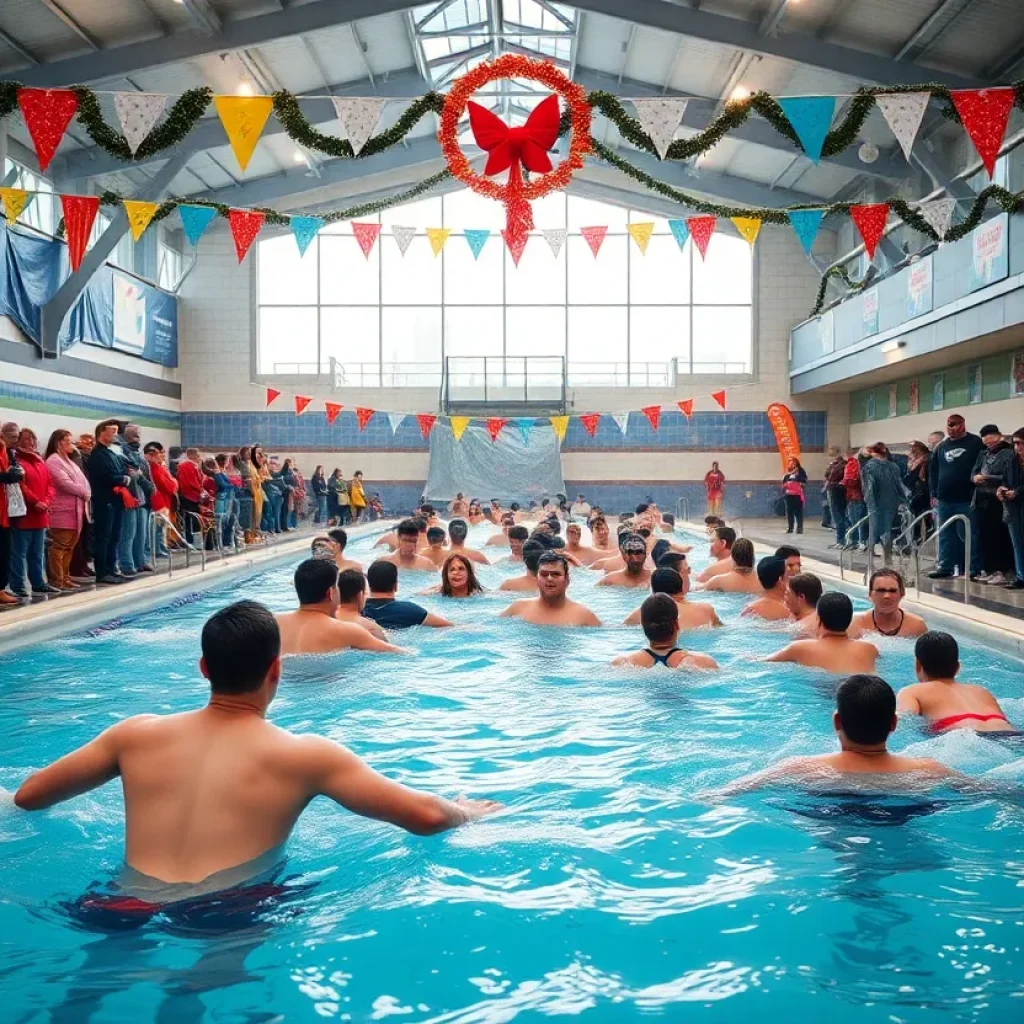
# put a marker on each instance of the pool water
(607, 888)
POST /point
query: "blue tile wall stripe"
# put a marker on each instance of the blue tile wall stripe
(64, 402)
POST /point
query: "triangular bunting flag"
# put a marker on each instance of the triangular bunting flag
(438, 236)
(525, 426)
(139, 216)
(15, 201)
(245, 226)
(243, 118)
(748, 227)
(426, 422)
(984, 113)
(686, 407)
(811, 118)
(903, 113)
(47, 114)
(79, 214)
(304, 229)
(939, 214)
(590, 421)
(395, 420)
(138, 112)
(702, 228)
(870, 219)
(719, 397)
(659, 119)
(594, 237)
(560, 424)
(805, 224)
(555, 237)
(476, 238)
(653, 414)
(622, 420)
(495, 425)
(333, 410)
(195, 220)
(681, 232)
(363, 416)
(272, 394)
(366, 234)
(516, 244)
(403, 235)
(641, 234)
(358, 116)
(301, 404)
(459, 424)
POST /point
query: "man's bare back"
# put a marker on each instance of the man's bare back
(419, 563)
(353, 617)
(717, 568)
(519, 583)
(939, 700)
(767, 608)
(692, 615)
(733, 582)
(837, 654)
(314, 632)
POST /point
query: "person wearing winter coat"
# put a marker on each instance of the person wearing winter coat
(28, 534)
(885, 494)
(988, 474)
(71, 495)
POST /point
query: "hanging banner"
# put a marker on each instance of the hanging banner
(989, 255)
(786, 435)
(805, 224)
(903, 113)
(516, 244)
(686, 407)
(244, 118)
(641, 234)
(459, 424)
(919, 287)
(272, 395)
(301, 404)
(680, 232)
(426, 422)
(811, 118)
(870, 221)
(305, 229)
(395, 421)
(476, 239)
(659, 119)
(79, 214)
(525, 425)
(495, 425)
(47, 114)
(915, 397)
(139, 216)
(245, 226)
(594, 236)
(438, 236)
(984, 114)
(363, 416)
(559, 424)
(653, 414)
(358, 116)
(719, 397)
(15, 200)
(403, 235)
(622, 422)
(590, 421)
(195, 220)
(701, 230)
(333, 410)
(748, 227)
(555, 237)
(939, 214)
(869, 313)
(138, 112)
(366, 235)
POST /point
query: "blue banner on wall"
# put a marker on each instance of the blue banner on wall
(114, 311)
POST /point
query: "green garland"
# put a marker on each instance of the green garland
(855, 287)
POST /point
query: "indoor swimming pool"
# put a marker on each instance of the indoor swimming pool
(610, 886)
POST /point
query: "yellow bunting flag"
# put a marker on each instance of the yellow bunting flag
(459, 423)
(748, 227)
(15, 201)
(139, 216)
(560, 424)
(641, 234)
(243, 118)
(438, 236)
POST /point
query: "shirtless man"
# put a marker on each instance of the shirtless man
(864, 718)
(833, 650)
(390, 540)
(885, 591)
(339, 538)
(791, 556)
(741, 578)
(517, 537)
(458, 506)
(218, 788)
(532, 550)
(314, 629)
(500, 540)
(711, 523)
(600, 536)
(802, 596)
(635, 573)
(457, 533)
(494, 513)
(691, 615)
(583, 554)
(351, 598)
(659, 616)
(616, 561)
(771, 574)
(406, 557)
(436, 552)
(944, 702)
(551, 607)
(722, 540)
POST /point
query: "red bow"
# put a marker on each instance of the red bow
(507, 146)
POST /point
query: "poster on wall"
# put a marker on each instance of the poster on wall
(827, 333)
(869, 409)
(915, 397)
(974, 383)
(938, 391)
(893, 399)
(989, 257)
(129, 315)
(869, 313)
(1017, 375)
(919, 287)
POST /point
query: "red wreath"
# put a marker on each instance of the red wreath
(511, 147)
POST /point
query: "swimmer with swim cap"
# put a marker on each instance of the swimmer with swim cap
(635, 573)
(551, 607)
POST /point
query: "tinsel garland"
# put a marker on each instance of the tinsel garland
(854, 287)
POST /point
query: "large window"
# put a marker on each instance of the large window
(622, 319)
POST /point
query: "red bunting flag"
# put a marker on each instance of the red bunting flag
(516, 242)
(79, 214)
(719, 397)
(870, 220)
(301, 401)
(426, 422)
(701, 230)
(333, 410)
(47, 114)
(653, 414)
(245, 226)
(366, 235)
(686, 407)
(272, 395)
(495, 425)
(590, 421)
(594, 237)
(984, 113)
(364, 416)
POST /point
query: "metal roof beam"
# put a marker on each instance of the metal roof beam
(924, 38)
(1009, 67)
(21, 50)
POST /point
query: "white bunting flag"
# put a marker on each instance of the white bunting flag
(659, 119)
(903, 112)
(395, 419)
(403, 236)
(138, 112)
(555, 237)
(623, 421)
(939, 214)
(358, 117)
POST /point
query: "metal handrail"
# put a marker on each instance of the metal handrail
(202, 541)
(682, 510)
(967, 553)
(909, 531)
(846, 547)
(154, 533)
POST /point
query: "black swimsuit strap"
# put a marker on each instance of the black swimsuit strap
(895, 632)
(661, 659)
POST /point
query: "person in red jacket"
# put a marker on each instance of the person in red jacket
(10, 473)
(164, 495)
(190, 491)
(28, 536)
(856, 509)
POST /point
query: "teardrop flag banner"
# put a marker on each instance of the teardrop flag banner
(139, 216)
(525, 425)
(811, 118)
(686, 407)
(272, 394)
(653, 414)
(79, 214)
(594, 237)
(702, 228)
(719, 397)
(304, 229)
(363, 416)
(438, 236)
(516, 244)
(426, 422)
(301, 404)
(680, 231)
(622, 422)
(495, 425)
(870, 220)
(786, 434)
(748, 227)
(641, 234)
(366, 235)
(590, 421)
(47, 114)
(559, 424)
(195, 220)
(245, 226)
(476, 238)
(459, 424)
(984, 113)
(15, 201)
(395, 420)
(243, 118)
(333, 410)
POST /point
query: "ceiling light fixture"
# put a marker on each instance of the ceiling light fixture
(244, 89)
(740, 93)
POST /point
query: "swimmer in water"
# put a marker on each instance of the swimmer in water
(551, 607)
(457, 533)
(313, 628)
(339, 540)
(665, 580)
(802, 597)
(720, 542)
(635, 573)
(532, 550)
(659, 617)
(458, 506)
(791, 556)
(741, 578)
(517, 537)
(458, 579)
(500, 540)
(406, 556)
(771, 573)
(436, 552)
(351, 598)
(886, 590)
(832, 649)
(939, 698)
(208, 790)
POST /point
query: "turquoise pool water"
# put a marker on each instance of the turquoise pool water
(606, 890)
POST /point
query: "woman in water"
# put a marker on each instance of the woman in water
(458, 578)
(714, 482)
(793, 489)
